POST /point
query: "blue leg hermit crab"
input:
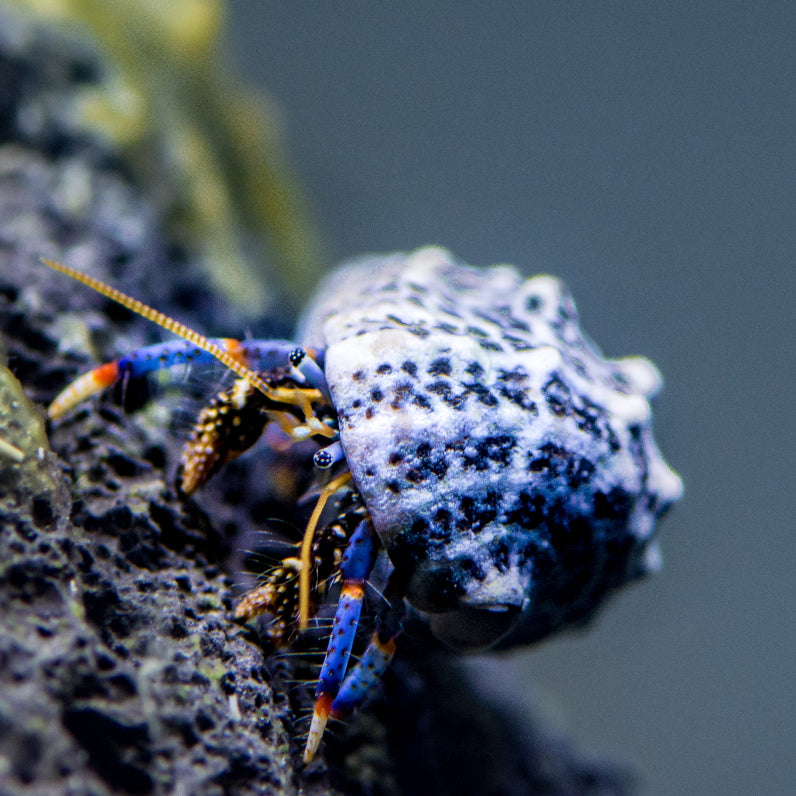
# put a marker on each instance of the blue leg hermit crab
(465, 426)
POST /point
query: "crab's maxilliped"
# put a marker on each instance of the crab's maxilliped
(466, 427)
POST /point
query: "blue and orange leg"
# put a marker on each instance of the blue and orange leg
(355, 568)
(367, 674)
(228, 353)
(259, 355)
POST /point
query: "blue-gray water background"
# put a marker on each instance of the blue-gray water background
(646, 153)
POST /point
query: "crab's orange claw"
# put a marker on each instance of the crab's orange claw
(84, 387)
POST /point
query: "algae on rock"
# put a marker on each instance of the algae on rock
(29, 476)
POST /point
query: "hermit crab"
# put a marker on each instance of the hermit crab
(465, 427)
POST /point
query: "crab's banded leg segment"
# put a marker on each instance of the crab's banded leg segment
(366, 675)
(355, 567)
(84, 387)
(233, 361)
(140, 363)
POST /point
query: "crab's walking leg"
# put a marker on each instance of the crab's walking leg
(261, 355)
(278, 593)
(364, 677)
(355, 567)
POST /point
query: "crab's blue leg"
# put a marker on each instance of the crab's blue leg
(366, 675)
(259, 355)
(355, 567)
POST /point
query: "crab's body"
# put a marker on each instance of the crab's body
(507, 469)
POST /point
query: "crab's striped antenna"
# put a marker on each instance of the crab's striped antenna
(226, 357)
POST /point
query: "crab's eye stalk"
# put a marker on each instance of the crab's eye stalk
(329, 456)
(470, 629)
(310, 371)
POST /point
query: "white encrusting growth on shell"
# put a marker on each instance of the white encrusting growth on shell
(495, 447)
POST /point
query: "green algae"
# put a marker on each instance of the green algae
(29, 475)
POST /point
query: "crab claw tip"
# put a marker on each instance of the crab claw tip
(319, 718)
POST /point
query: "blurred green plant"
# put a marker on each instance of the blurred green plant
(208, 150)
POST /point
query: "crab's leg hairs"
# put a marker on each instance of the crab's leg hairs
(367, 674)
(278, 593)
(260, 355)
(355, 567)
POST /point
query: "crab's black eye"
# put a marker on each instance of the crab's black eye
(323, 460)
(326, 457)
(296, 356)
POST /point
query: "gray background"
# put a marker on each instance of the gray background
(645, 153)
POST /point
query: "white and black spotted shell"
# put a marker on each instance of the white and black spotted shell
(509, 469)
